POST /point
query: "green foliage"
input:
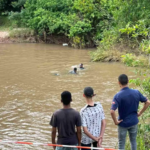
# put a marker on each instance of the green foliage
(145, 46)
(106, 47)
(134, 61)
(4, 21)
(143, 137)
(85, 19)
(136, 30)
(16, 19)
(137, 33)
(130, 26)
(19, 4)
(14, 10)
(105, 56)
(21, 32)
(130, 11)
(144, 84)
(7, 6)
(78, 42)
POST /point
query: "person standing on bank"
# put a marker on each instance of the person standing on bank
(93, 121)
(127, 101)
(66, 120)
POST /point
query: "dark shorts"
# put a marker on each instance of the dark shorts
(89, 145)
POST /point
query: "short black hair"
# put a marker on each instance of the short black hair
(66, 97)
(88, 92)
(123, 79)
(75, 69)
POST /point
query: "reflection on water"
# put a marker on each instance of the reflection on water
(30, 92)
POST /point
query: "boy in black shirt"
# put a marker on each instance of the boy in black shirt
(66, 120)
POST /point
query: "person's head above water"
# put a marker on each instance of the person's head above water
(81, 65)
(66, 97)
(88, 92)
(75, 70)
(123, 80)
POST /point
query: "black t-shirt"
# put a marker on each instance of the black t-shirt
(66, 120)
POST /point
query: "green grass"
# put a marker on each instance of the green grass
(5, 23)
(21, 32)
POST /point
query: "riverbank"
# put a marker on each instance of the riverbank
(10, 32)
(132, 57)
(16, 36)
(25, 35)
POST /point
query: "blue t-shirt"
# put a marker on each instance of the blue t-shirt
(127, 101)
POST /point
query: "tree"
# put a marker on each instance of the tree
(11, 5)
(84, 20)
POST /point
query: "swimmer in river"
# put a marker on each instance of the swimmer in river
(81, 66)
(56, 74)
(74, 71)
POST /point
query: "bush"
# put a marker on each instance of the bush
(106, 56)
(143, 136)
(78, 18)
(22, 32)
(134, 61)
(130, 26)
(4, 21)
(16, 19)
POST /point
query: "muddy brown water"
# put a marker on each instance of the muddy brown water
(30, 92)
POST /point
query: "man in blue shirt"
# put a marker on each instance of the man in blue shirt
(127, 101)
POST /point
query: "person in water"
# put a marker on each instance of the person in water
(74, 71)
(127, 101)
(93, 121)
(81, 66)
(66, 122)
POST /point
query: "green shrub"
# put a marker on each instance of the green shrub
(16, 19)
(134, 61)
(85, 19)
(21, 32)
(106, 56)
(130, 26)
(78, 42)
(143, 136)
(4, 21)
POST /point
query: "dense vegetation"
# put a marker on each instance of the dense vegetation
(86, 22)
(143, 137)
(82, 21)
(7, 6)
(129, 33)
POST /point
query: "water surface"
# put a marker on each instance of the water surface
(30, 92)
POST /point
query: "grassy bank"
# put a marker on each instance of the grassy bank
(143, 136)
(130, 45)
(128, 34)
(5, 23)
(10, 32)
(126, 56)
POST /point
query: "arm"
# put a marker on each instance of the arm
(53, 135)
(113, 115)
(89, 134)
(103, 128)
(79, 136)
(102, 133)
(146, 105)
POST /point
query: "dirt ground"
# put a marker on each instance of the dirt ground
(4, 34)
